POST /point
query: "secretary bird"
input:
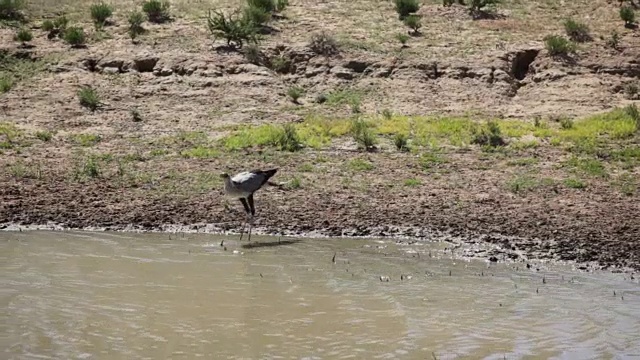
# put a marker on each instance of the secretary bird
(242, 186)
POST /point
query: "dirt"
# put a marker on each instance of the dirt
(179, 81)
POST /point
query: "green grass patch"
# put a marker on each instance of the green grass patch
(522, 162)
(10, 136)
(431, 160)
(588, 166)
(45, 136)
(412, 182)
(86, 140)
(525, 183)
(360, 165)
(627, 184)
(574, 183)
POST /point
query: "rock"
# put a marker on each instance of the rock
(342, 72)
(145, 63)
(311, 72)
(110, 70)
(358, 66)
(112, 63)
(501, 75)
(549, 75)
(163, 72)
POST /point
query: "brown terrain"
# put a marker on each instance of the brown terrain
(178, 108)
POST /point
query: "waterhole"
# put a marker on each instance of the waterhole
(83, 295)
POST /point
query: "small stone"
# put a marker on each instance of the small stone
(342, 72)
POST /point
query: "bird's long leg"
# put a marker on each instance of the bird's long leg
(253, 212)
(247, 210)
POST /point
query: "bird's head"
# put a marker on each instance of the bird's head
(224, 175)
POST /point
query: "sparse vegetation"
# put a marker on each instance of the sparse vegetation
(412, 182)
(23, 35)
(360, 165)
(45, 136)
(363, 135)
(577, 31)
(489, 135)
(413, 22)
(403, 38)
(75, 36)
(280, 64)
(89, 98)
(100, 13)
(566, 123)
(323, 44)
(614, 41)
(477, 8)
(558, 46)
(574, 183)
(253, 54)
(135, 115)
(266, 5)
(401, 142)
(87, 140)
(634, 114)
(628, 15)
(6, 83)
(287, 139)
(55, 28)
(136, 19)
(631, 90)
(295, 93)
(157, 11)
(234, 28)
(256, 15)
(406, 7)
(11, 10)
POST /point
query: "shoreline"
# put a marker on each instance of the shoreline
(472, 247)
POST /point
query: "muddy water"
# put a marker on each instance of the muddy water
(131, 296)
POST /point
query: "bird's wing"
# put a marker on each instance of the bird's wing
(248, 181)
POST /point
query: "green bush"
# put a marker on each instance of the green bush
(45, 136)
(253, 54)
(566, 123)
(89, 98)
(136, 19)
(362, 134)
(627, 15)
(11, 9)
(258, 16)
(100, 12)
(6, 83)
(234, 28)
(287, 139)
(266, 5)
(577, 31)
(634, 113)
(55, 27)
(47, 25)
(295, 93)
(400, 140)
(75, 36)
(558, 46)
(280, 64)
(413, 22)
(491, 135)
(406, 7)
(23, 35)
(403, 38)
(477, 6)
(281, 5)
(323, 44)
(157, 11)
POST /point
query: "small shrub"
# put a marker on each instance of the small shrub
(136, 19)
(491, 135)
(412, 182)
(614, 41)
(413, 22)
(403, 38)
(6, 83)
(558, 46)
(574, 183)
(281, 5)
(135, 115)
(55, 27)
(323, 44)
(11, 9)
(577, 31)
(233, 28)
(354, 104)
(537, 122)
(45, 136)
(320, 99)
(363, 135)
(288, 139)
(360, 165)
(566, 123)
(295, 93)
(634, 113)
(477, 7)
(157, 11)
(256, 15)
(280, 64)
(400, 140)
(627, 15)
(100, 12)
(23, 35)
(406, 7)
(387, 114)
(447, 2)
(266, 5)
(75, 36)
(631, 91)
(89, 98)
(253, 54)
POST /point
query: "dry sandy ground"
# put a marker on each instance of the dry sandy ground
(190, 94)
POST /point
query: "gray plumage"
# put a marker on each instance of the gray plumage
(243, 185)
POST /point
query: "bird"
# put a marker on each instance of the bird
(242, 186)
